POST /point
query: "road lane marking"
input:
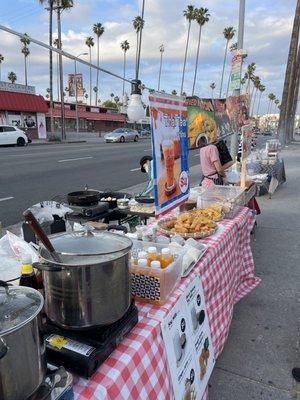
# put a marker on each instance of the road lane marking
(75, 159)
(135, 169)
(6, 198)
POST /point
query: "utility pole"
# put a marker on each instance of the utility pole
(61, 73)
(240, 44)
(140, 42)
(161, 49)
(50, 9)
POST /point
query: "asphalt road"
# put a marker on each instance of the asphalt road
(32, 174)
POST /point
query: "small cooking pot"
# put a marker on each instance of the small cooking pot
(91, 285)
(22, 351)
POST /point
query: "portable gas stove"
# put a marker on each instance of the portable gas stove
(96, 210)
(82, 352)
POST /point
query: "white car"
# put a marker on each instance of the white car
(12, 135)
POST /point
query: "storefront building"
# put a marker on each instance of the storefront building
(20, 107)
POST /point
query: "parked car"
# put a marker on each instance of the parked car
(145, 133)
(12, 135)
(122, 135)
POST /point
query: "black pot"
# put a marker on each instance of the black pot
(84, 197)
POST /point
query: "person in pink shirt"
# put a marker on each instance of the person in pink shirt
(212, 169)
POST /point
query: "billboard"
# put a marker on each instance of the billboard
(169, 151)
(16, 87)
(236, 70)
(73, 81)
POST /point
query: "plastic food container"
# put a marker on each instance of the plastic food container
(151, 285)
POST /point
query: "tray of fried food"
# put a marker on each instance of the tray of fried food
(188, 225)
(215, 213)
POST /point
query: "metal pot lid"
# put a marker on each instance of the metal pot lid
(18, 306)
(90, 244)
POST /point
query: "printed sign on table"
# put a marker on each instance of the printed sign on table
(247, 135)
(169, 150)
(188, 344)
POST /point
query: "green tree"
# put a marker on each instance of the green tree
(212, 86)
(256, 83)
(189, 14)
(25, 51)
(228, 33)
(138, 25)
(90, 43)
(1, 61)
(98, 30)
(109, 104)
(261, 89)
(125, 46)
(12, 77)
(249, 75)
(271, 98)
(233, 47)
(161, 50)
(201, 17)
(174, 92)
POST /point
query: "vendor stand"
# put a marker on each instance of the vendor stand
(138, 367)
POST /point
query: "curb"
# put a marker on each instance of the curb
(54, 142)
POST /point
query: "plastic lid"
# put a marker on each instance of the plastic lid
(142, 262)
(142, 254)
(90, 243)
(26, 259)
(155, 264)
(166, 251)
(18, 306)
(152, 250)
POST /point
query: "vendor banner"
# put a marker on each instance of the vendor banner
(247, 136)
(168, 116)
(188, 343)
(73, 81)
(221, 117)
(236, 69)
(201, 121)
(238, 110)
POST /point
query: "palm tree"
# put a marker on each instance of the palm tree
(189, 14)
(1, 61)
(212, 86)
(98, 30)
(256, 83)
(161, 50)
(174, 92)
(201, 17)
(277, 103)
(249, 75)
(55, 43)
(271, 98)
(25, 50)
(233, 47)
(90, 43)
(12, 77)
(261, 89)
(125, 46)
(228, 35)
(138, 25)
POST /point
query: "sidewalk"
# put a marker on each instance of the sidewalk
(263, 344)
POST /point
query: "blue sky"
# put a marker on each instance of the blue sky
(267, 32)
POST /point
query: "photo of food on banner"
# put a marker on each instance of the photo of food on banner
(170, 158)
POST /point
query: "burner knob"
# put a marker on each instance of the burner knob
(88, 213)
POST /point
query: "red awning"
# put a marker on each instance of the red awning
(12, 101)
(92, 116)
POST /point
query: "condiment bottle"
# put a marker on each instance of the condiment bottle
(152, 255)
(142, 262)
(166, 257)
(28, 277)
(155, 265)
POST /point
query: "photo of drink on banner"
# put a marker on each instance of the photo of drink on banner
(170, 151)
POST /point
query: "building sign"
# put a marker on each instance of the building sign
(169, 150)
(236, 69)
(73, 81)
(41, 125)
(16, 87)
(188, 343)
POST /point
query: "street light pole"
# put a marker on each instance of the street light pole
(76, 93)
(240, 44)
(61, 73)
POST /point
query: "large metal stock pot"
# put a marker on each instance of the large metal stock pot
(91, 285)
(22, 351)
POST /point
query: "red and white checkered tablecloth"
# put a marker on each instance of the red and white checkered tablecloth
(138, 368)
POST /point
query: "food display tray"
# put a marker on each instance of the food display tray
(196, 235)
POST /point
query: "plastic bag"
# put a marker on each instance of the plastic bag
(45, 211)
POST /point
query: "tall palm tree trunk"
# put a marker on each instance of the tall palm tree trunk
(228, 85)
(269, 105)
(282, 126)
(25, 69)
(90, 51)
(197, 58)
(253, 104)
(185, 57)
(51, 66)
(258, 104)
(136, 55)
(124, 74)
(223, 70)
(160, 68)
(98, 62)
(57, 75)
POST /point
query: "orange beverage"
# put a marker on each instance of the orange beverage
(166, 257)
(168, 150)
(176, 147)
(152, 255)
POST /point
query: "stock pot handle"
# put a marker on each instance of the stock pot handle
(47, 267)
(3, 348)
